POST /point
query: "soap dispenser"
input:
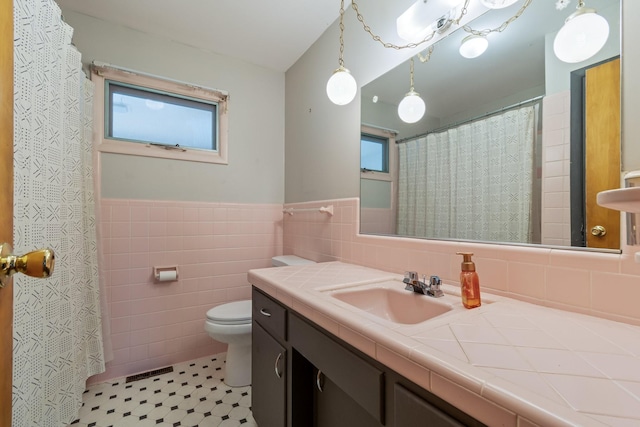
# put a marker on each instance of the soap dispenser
(469, 282)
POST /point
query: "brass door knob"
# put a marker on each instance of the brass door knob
(598, 231)
(38, 263)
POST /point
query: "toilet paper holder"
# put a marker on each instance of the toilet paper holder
(166, 274)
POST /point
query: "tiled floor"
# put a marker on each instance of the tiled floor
(192, 395)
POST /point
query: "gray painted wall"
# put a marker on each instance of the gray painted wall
(255, 173)
(322, 139)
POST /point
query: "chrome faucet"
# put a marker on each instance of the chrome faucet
(431, 289)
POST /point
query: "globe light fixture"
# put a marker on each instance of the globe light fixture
(473, 46)
(341, 87)
(412, 107)
(583, 34)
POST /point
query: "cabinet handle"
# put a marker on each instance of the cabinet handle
(265, 312)
(278, 373)
(319, 381)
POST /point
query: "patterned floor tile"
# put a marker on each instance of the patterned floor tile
(193, 395)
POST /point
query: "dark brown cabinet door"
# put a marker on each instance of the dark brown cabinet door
(412, 411)
(335, 408)
(268, 378)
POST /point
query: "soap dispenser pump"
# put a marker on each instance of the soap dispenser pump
(469, 282)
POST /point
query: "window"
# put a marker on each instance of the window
(378, 153)
(374, 153)
(148, 116)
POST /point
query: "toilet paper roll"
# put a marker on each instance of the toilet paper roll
(167, 276)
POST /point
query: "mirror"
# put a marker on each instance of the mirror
(518, 78)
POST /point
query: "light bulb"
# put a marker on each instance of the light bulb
(411, 108)
(583, 34)
(473, 46)
(497, 4)
(341, 87)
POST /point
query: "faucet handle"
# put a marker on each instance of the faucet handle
(410, 277)
(434, 287)
(411, 280)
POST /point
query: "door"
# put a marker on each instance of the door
(268, 378)
(602, 152)
(333, 407)
(6, 203)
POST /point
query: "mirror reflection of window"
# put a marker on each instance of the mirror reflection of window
(378, 180)
(374, 153)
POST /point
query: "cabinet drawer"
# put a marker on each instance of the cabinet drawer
(270, 314)
(356, 377)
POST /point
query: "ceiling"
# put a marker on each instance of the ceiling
(275, 33)
(272, 34)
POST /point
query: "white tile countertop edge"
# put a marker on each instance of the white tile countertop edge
(471, 387)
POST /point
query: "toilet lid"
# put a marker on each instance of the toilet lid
(231, 313)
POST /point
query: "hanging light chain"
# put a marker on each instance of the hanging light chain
(427, 56)
(387, 45)
(411, 73)
(341, 57)
(502, 27)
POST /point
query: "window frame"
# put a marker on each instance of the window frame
(100, 75)
(383, 141)
(390, 136)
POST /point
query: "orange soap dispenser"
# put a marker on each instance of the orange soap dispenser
(469, 282)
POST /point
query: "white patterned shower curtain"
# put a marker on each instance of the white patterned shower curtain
(472, 182)
(57, 325)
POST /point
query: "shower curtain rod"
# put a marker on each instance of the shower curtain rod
(473, 119)
(391, 131)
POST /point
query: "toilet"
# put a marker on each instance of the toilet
(230, 323)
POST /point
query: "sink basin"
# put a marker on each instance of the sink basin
(394, 303)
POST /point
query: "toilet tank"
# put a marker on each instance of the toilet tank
(284, 260)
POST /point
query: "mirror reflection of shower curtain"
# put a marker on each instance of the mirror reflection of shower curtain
(472, 182)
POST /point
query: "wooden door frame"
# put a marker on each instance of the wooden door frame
(6, 203)
(577, 154)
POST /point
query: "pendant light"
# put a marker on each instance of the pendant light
(411, 108)
(473, 46)
(583, 35)
(476, 43)
(341, 87)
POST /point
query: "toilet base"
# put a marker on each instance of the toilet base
(238, 365)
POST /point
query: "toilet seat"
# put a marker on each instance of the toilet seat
(233, 313)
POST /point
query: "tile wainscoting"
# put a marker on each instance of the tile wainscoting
(606, 285)
(212, 244)
(215, 244)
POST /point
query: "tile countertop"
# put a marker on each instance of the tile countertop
(506, 363)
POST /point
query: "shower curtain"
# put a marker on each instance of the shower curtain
(472, 182)
(57, 324)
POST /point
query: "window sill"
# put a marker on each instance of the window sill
(378, 176)
(147, 150)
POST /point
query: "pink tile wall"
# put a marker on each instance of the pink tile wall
(601, 284)
(556, 214)
(212, 244)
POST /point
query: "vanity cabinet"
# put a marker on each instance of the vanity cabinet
(268, 361)
(329, 383)
(268, 378)
(347, 390)
(410, 410)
